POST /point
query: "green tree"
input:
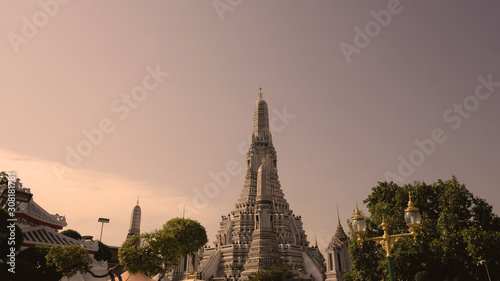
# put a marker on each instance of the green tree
(160, 251)
(136, 256)
(104, 252)
(3, 177)
(423, 276)
(190, 234)
(271, 273)
(32, 265)
(69, 260)
(457, 230)
(150, 253)
(72, 233)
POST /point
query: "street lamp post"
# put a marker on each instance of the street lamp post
(487, 272)
(412, 218)
(103, 221)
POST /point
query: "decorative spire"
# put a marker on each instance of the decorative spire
(137, 200)
(261, 132)
(340, 235)
(338, 214)
(263, 183)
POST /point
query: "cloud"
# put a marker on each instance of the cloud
(83, 196)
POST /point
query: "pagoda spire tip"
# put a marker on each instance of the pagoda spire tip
(338, 214)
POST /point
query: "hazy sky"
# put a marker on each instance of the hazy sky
(354, 96)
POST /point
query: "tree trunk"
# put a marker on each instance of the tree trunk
(98, 276)
(110, 273)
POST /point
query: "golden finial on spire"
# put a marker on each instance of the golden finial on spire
(263, 161)
(137, 200)
(260, 93)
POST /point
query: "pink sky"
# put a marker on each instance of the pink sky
(194, 69)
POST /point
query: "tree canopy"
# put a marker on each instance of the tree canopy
(190, 234)
(458, 230)
(32, 265)
(271, 273)
(72, 233)
(3, 177)
(160, 251)
(72, 259)
(104, 252)
(69, 260)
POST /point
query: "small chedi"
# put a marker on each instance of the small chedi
(135, 221)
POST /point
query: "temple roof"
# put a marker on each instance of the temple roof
(35, 213)
(340, 234)
(29, 210)
(46, 236)
(339, 238)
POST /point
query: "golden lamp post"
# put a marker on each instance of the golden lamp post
(412, 218)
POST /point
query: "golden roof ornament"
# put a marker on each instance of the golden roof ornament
(260, 93)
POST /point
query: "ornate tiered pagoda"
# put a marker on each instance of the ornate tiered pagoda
(135, 221)
(261, 230)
